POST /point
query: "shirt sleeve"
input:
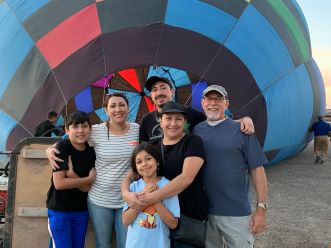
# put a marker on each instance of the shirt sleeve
(143, 135)
(172, 204)
(253, 152)
(194, 147)
(63, 147)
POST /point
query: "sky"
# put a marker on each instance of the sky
(318, 17)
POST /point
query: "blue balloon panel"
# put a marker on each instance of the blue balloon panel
(15, 44)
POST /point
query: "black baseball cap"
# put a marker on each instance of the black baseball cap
(154, 79)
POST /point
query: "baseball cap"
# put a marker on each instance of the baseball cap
(152, 80)
(217, 88)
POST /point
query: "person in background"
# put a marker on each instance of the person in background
(45, 128)
(231, 156)
(150, 227)
(67, 196)
(321, 131)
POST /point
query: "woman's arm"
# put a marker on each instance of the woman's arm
(62, 182)
(166, 215)
(246, 125)
(191, 167)
(131, 197)
(50, 153)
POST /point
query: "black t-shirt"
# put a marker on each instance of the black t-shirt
(150, 126)
(45, 126)
(83, 161)
(192, 200)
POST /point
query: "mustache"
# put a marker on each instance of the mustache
(160, 96)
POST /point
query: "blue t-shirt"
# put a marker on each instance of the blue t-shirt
(148, 230)
(229, 155)
(321, 128)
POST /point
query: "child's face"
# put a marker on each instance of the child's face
(78, 133)
(146, 165)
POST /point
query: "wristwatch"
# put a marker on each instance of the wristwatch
(262, 205)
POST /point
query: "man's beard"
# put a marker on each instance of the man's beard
(214, 117)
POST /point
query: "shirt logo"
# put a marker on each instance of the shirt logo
(134, 142)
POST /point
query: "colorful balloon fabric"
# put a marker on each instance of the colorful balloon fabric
(259, 50)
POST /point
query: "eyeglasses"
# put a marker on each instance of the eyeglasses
(216, 99)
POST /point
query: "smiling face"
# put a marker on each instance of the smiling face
(172, 125)
(146, 165)
(214, 105)
(78, 134)
(117, 109)
(161, 93)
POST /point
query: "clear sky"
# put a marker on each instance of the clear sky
(318, 17)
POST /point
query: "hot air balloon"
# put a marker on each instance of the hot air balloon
(259, 50)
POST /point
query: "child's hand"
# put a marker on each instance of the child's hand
(150, 187)
(70, 172)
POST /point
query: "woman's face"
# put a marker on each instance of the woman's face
(172, 125)
(117, 109)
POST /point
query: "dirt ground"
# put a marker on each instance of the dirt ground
(299, 214)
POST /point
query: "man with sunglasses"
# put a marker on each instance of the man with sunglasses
(230, 156)
(162, 91)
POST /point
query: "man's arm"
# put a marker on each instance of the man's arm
(246, 125)
(191, 167)
(258, 220)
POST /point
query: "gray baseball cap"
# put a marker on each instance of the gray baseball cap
(217, 88)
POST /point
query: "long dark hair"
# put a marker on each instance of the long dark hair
(150, 149)
(107, 98)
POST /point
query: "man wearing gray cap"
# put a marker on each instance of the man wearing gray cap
(230, 156)
(162, 91)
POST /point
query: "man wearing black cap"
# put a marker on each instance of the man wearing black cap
(162, 91)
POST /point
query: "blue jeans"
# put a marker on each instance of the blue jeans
(67, 229)
(103, 220)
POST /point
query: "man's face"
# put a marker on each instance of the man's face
(214, 105)
(161, 93)
(53, 119)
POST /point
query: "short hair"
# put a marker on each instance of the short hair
(52, 114)
(320, 117)
(147, 147)
(75, 118)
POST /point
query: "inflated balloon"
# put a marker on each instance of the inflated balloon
(258, 50)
